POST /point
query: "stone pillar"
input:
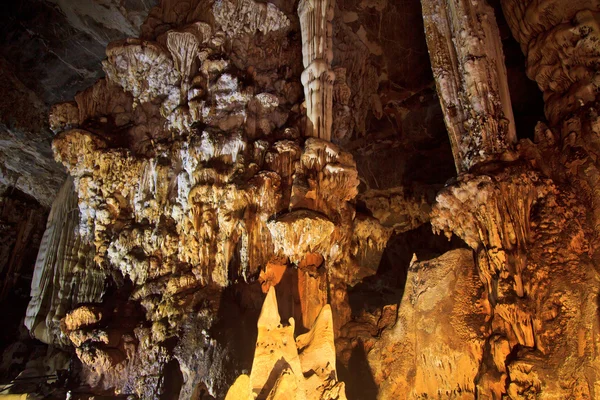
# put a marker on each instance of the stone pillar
(317, 54)
(528, 228)
(468, 67)
(560, 40)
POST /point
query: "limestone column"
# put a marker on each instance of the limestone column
(468, 67)
(317, 54)
(527, 226)
(560, 40)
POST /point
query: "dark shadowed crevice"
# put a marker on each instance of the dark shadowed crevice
(387, 285)
(526, 98)
(360, 384)
(22, 222)
(173, 379)
(235, 329)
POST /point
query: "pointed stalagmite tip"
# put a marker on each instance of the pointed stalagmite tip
(269, 314)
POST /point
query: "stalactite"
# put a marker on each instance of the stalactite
(217, 222)
(317, 54)
(198, 187)
(559, 40)
(470, 75)
(208, 185)
(65, 274)
(506, 208)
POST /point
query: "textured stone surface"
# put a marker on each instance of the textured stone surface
(64, 274)
(191, 176)
(468, 67)
(50, 50)
(417, 358)
(318, 77)
(284, 368)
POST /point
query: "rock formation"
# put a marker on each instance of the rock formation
(418, 359)
(502, 210)
(50, 51)
(317, 54)
(467, 62)
(188, 177)
(267, 200)
(288, 369)
(65, 274)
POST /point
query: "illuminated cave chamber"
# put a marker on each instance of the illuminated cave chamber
(312, 200)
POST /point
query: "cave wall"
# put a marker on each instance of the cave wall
(49, 51)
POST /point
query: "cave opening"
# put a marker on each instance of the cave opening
(386, 286)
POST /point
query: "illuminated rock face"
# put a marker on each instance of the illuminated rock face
(220, 236)
(420, 359)
(527, 226)
(285, 368)
(189, 175)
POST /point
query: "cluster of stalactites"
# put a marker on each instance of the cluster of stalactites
(318, 77)
(560, 41)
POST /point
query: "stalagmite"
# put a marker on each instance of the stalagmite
(284, 368)
(435, 348)
(559, 40)
(318, 76)
(275, 347)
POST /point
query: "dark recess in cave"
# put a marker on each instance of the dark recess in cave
(235, 328)
(526, 98)
(387, 285)
(360, 384)
(19, 250)
(384, 288)
(173, 380)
